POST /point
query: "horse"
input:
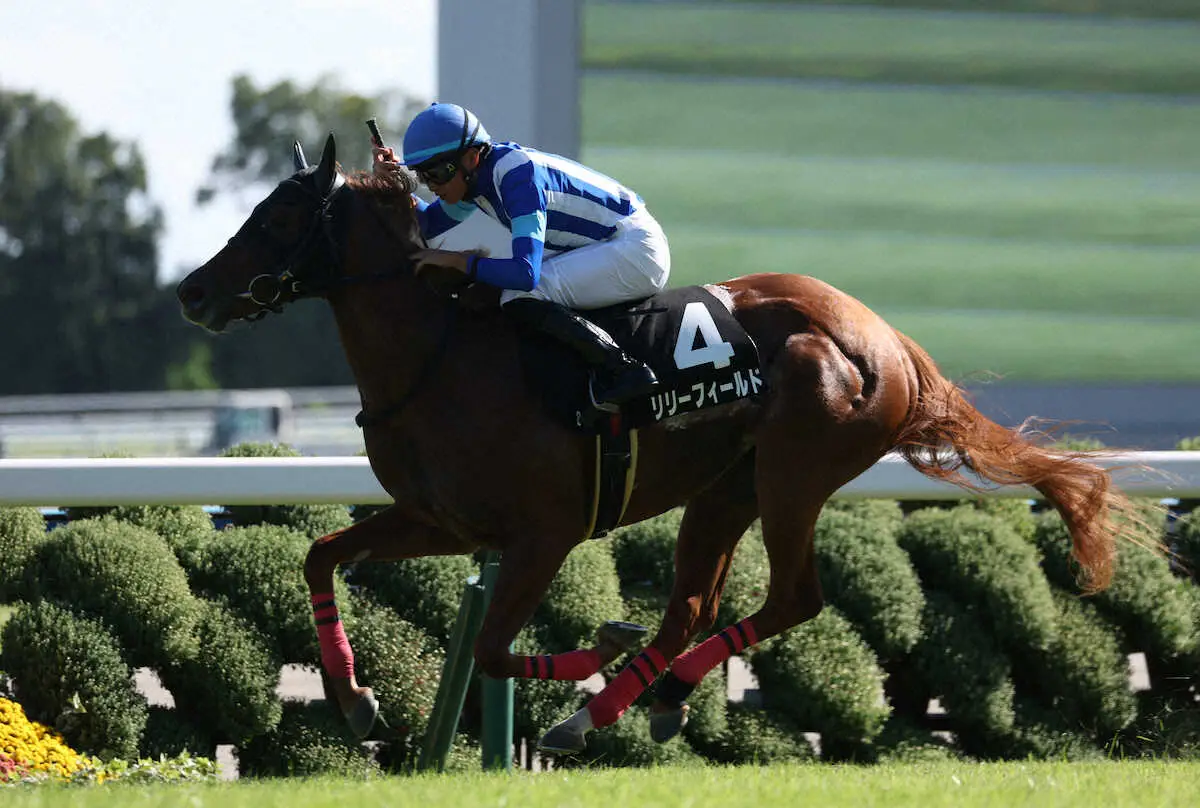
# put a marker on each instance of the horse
(460, 442)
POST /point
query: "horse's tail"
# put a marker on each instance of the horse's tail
(944, 433)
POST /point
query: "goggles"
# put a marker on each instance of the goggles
(437, 173)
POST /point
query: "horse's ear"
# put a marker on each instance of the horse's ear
(298, 159)
(327, 170)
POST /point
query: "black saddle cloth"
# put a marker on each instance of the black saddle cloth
(700, 353)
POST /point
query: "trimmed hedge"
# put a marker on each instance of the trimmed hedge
(313, 521)
(128, 577)
(1150, 606)
(866, 575)
(309, 740)
(757, 736)
(627, 743)
(185, 528)
(960, 664)
(71, 676)
(22, 532)
(399, 661)
(424, 591)
(1084, 677)
(583, 595)
(825, 679)
(981, 561)
(258, 572)
(169, 734)
(645, 553)
(228, 690)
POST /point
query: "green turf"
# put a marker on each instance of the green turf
(1057, 53)
(990, 226)
(960, 785)
(863, 121)
(1164, 9)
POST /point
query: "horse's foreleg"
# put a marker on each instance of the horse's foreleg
(385, 536)
(526, 570)
(712, 525)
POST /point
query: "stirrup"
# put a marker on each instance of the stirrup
(602, 406)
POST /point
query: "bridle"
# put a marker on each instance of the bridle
(294, 273)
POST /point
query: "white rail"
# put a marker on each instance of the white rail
(349, 480)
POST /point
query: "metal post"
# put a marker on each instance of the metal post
(497, 740)
(456, 677)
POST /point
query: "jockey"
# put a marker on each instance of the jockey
(580, 240)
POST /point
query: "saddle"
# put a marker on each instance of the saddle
(701, 355)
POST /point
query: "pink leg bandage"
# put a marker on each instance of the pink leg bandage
(336, 655)
(610, 703)
(573, 665)
(692, 666)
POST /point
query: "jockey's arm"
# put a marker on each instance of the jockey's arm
(437, 217)
(525, 204)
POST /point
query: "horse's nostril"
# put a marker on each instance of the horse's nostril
(191, 295)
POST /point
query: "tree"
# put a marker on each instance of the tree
(300, 348)
(267, 120)
(79, 300)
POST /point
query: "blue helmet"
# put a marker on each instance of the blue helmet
(441, 128)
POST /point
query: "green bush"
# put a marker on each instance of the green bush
(644, 605)
(70, 675)
(1149, 605)
(1043, 734)
(314, 521)
(258, 572)
(228, 691)
(981, 561)
(747, 582)
(129, 578)
(874, 510)
(22, 532)
(309, 740)
(583, 595)
(866, 575)
(399, 661)
(1084, 677)
(759, 737)
(902, 741)
(1186, 545)
(825, 679)
(185, 528)
(424, 591)
(645, 553)
(1016, 513)
(959, 662)
(169, 734)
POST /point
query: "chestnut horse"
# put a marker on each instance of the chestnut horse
(472, 461)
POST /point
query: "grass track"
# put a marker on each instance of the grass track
(1056, 53)
(961, 785)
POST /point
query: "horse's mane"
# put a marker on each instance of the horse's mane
(385, 189)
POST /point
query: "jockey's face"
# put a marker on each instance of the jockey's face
(455, 189)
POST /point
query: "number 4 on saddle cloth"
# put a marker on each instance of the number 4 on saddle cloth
(701, 355)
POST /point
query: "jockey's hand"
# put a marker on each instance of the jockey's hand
(424, 259)
(384, 161)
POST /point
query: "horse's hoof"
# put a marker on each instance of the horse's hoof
(562, 739)
(620, 634)
(363, 715)
(666, 725)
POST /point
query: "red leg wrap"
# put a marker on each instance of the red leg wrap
(336, 655)
(572, 666)
(610, 703)
(692, 666)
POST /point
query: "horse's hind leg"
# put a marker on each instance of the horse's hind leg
(712, 525)
(385, 536)
(527, 567)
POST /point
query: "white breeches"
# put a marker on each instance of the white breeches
(633, 264)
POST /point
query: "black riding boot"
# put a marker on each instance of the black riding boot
(618, 377)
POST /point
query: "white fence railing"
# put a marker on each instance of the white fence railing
(349, 480)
